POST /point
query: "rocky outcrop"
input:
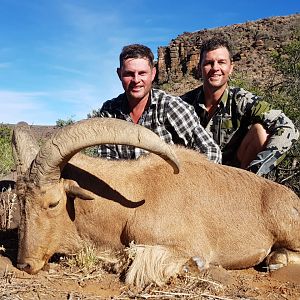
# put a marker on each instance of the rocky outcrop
(253, 43)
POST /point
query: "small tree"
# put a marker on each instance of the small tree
(284, 95)
(6, 157)
(95, 113)
(287, 61)
(61, 123)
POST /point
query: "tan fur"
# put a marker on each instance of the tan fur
(221, 215)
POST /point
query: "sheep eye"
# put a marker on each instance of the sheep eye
(52, 205)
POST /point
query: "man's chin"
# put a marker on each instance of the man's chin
(217, 83)
(137, 96)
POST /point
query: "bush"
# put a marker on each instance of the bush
(61, 123)
(285, 96)
(6, 157)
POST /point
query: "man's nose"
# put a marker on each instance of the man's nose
(136, 78)
(215, 65)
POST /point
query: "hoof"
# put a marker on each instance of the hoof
(277, 260)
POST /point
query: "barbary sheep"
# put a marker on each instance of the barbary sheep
(210, 213)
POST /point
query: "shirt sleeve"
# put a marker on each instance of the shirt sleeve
(108, 151)
(282, 135)
(105, 150)
(186, 124)
(110, 109)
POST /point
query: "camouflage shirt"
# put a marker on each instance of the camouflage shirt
(169, 117)
(237, 110)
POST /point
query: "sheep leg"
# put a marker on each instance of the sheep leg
(281, 258)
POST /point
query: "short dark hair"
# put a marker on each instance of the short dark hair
(136, 51)
(215, 43)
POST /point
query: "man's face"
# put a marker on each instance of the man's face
(216, 67)
(136, 75)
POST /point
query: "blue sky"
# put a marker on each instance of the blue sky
(58, 58)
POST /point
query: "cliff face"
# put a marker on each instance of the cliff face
(253, 43)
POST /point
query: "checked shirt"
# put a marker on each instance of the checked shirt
(169, 117)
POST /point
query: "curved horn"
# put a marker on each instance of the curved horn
(24, 146)
(69, 140)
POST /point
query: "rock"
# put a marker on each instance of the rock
(178, 61)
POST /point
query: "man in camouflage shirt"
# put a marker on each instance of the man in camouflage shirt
(169, 117)
(249, 132)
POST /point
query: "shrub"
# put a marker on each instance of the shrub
(61, 123)
(284, 95)
(6, 157)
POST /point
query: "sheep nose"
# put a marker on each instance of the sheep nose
(25, 267)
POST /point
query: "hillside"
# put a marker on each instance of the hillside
(253, 43)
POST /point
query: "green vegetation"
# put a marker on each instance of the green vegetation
(287, 62)
(89, 260)
(85, 259)
(61, 123)
(6, 158)
(287, 97)
(95, 113)
(284, 95)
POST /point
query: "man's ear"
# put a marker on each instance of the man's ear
(153, 73)
(198, 71)
(231, 68)
(119, 73)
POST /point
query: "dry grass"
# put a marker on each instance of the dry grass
(92, 275)
(8, 204)
(183, 287)
(90, 264)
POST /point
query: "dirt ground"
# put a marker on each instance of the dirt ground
(64, 282)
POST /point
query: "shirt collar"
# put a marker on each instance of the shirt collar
(223, 99)
(153, 97)
(124, 107)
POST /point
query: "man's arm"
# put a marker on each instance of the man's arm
(186, 124)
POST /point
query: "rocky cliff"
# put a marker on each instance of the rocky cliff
(253, 43)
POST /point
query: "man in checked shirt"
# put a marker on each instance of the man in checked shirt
(169, 117)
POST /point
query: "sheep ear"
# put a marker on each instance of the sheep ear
(73, 189)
